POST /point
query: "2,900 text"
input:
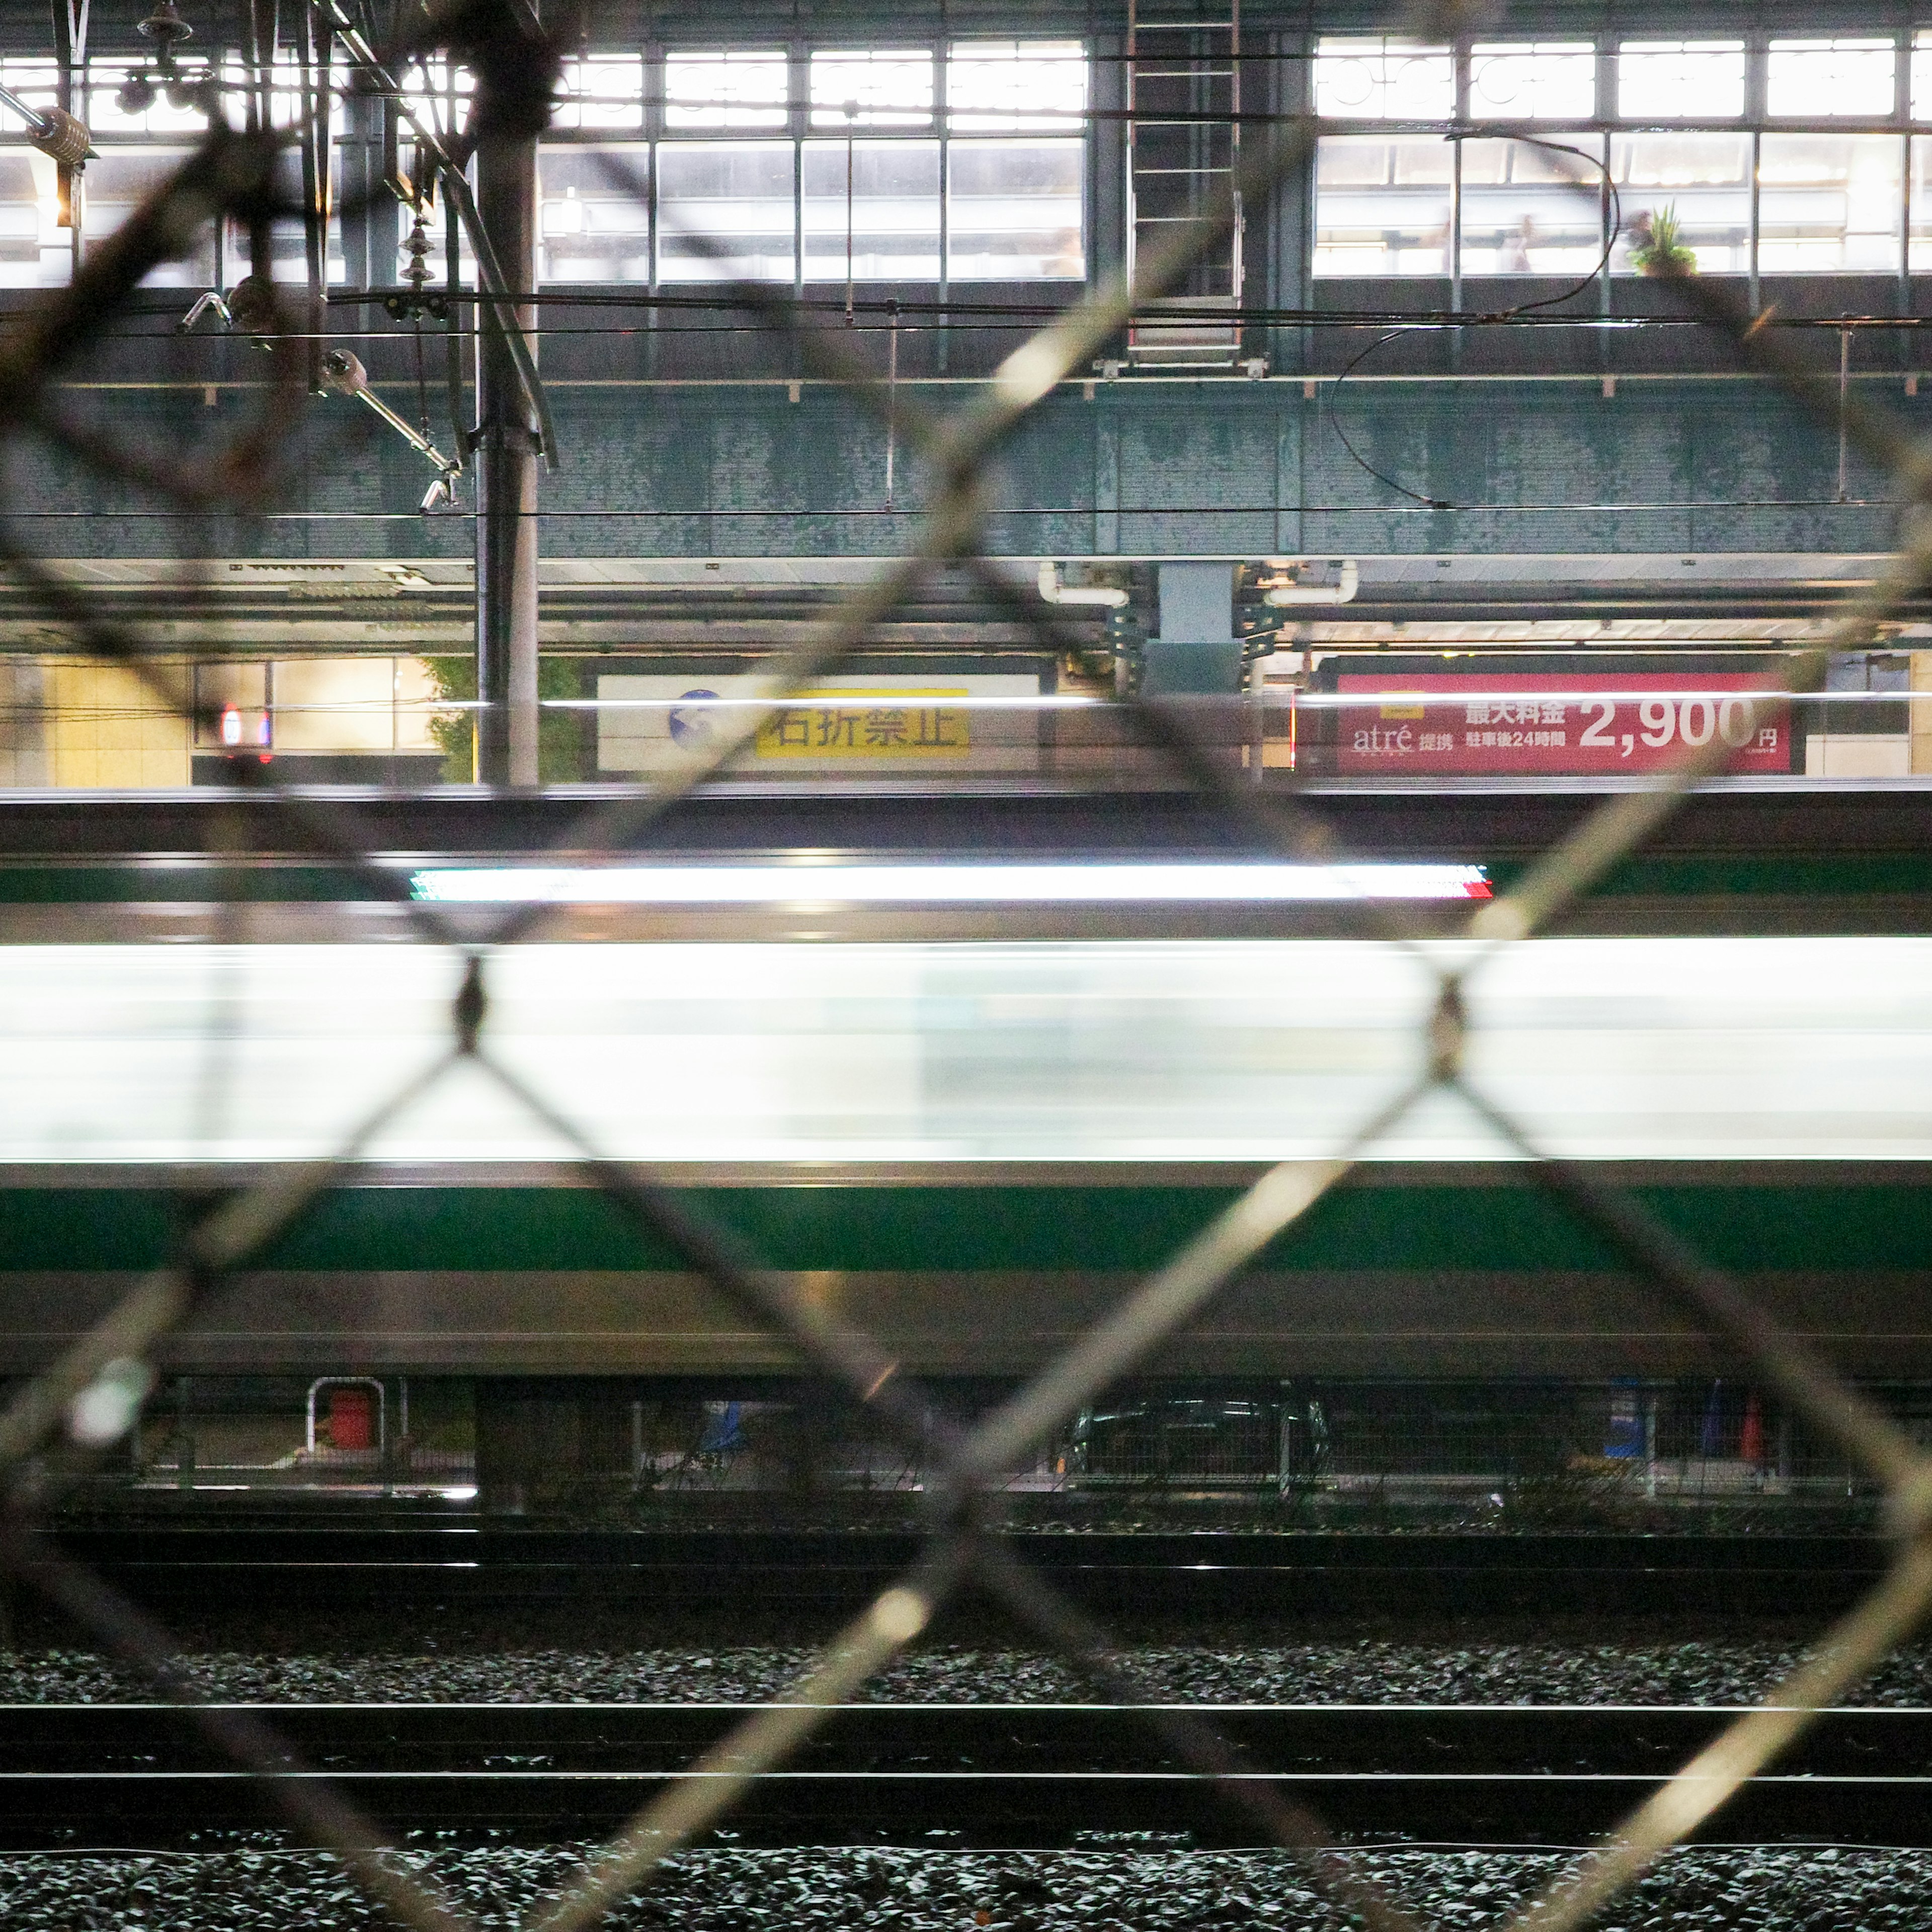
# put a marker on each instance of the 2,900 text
(1665, 720)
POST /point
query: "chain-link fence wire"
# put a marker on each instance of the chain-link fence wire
(233, 174)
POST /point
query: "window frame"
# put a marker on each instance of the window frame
(1596, 133)
(1908, 120)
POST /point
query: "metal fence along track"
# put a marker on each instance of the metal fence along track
(94, 1388)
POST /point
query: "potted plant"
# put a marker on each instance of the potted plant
(1656, 244)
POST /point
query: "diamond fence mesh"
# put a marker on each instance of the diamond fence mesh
(236, 173)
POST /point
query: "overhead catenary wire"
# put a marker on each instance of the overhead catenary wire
(1612, 228)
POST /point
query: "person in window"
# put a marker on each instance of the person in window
(1516, 247)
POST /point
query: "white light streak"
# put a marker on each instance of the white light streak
(940, 884)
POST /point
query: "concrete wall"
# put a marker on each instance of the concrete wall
(107, 726)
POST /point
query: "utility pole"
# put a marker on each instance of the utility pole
(505, 469)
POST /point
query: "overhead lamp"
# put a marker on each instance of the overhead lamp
(1098, 882)
(188, 93)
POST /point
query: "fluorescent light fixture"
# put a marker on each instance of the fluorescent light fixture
(1356, 700)
(1104, 883)
(828, 699)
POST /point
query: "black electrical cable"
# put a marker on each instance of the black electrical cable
(1613, 228)
(1341, 435)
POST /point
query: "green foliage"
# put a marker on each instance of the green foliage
(565, 740)
(1659, 250)
(1589, 1492)
(455, 679)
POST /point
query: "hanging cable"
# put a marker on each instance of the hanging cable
(1613, 227)
(1341, 435)
(422, 381)
(452, 333)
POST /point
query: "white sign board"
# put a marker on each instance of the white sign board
(858, 720)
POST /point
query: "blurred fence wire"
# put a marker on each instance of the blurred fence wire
(233, 174)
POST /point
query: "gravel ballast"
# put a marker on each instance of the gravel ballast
(474, 1666)
(253, 1888)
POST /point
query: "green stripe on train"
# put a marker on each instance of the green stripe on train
(1509, 1226)
(1778, 875)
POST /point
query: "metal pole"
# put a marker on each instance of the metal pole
(1844, 387)
(505, 468)
(851, 114)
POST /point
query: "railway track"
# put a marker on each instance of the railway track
(1038, 1775)
(461, 1561)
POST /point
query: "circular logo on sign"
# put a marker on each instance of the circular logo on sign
(691, 727)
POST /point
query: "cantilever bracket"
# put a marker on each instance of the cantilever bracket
(343, 374)
(494, 299)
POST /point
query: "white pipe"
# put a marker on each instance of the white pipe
(1343, 592)
(1052, 591)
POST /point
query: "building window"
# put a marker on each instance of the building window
(1384, 79)
(36, 82)
(35, 251)
(1922, 79)
(1523, 212)
(1921, 241)
(727, 90)
(725, 210)
(1381, 205)
(858, 172)
(1016, 87)
(285, 102)
(1829, 203)
(1016, 211)
(998, 195)
(872, 211)
(871, 90)
(1704, 180)
(595, 218)
(1554, 80)
(1680, 80)
(1016, 207)
(120, 179)
(601, 91)
(1811, 79)
(439, 96)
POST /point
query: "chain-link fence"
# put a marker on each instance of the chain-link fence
(92, 1390)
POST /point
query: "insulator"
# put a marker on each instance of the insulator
(63, 136)
(165, 25)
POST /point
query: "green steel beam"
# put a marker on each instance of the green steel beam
(1145, 467)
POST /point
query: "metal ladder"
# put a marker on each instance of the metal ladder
(1184, 72)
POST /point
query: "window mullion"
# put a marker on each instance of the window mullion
(942, 134)
(798, 68)
(1757, 64)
